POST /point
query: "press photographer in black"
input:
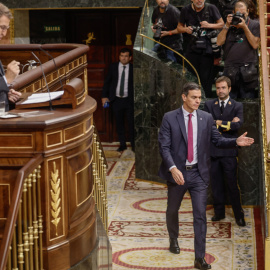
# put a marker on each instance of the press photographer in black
(240, 38)
(200, 21)
(165, 19)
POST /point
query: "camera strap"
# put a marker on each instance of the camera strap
(205, 16)
(205, 12)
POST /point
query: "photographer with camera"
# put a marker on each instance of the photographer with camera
(200, 21)
(240, 37)
(165, 19)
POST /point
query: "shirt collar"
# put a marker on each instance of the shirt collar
(121, 65)
(225, 101)
(186, 113)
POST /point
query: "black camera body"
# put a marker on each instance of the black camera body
(196, 32)
(236, 18)
(159, 27)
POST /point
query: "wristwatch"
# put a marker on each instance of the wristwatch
(225, 27)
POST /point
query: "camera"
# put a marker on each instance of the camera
(212, 35)
(159, 27)
(196, 32)
(236, 18)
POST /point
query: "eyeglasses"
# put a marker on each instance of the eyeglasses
(4, 27)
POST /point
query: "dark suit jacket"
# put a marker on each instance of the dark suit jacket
(3, 87)
(110, 83)
(173, 143)
(228, 129)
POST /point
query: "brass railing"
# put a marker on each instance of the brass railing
(100, 184)
(142, 26)
(21, 246)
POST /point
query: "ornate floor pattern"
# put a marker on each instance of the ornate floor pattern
(137, 227)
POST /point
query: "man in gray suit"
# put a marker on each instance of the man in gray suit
(185, 137)
(13, 69)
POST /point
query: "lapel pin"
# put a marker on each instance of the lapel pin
(230, 103)
(216, 102)
(200, 118)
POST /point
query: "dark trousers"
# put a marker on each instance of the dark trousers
(225, 168)
(198, 192)
(123, 108)
(204, 64)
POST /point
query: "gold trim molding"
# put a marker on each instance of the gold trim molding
(55, 197)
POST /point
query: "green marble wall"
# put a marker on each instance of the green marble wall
(157, 87)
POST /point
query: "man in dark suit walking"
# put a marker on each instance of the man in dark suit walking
(13, 70)
(184, 139)
(118, 90)
(228, 115)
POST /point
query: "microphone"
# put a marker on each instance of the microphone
(54, 65)
(48, 90)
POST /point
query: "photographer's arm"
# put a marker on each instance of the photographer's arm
(170, 33)
(181, 28)
(221, 38)
(253, 41)
(154, 30)
(219, 24)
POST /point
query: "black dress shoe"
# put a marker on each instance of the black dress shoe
(240, 222)
(174, 248)
(217, 217)
(200, 263)
(121, 148)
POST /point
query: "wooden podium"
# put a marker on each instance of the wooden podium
(74, 95)
(64, 139)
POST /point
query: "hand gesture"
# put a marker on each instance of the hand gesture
(153, 29)
(189, 30)
(244, 141)
(236, 119)
(242, 24)
(13, 95)
(177, 176)
(13, 71)
(229, 20)
(104, 100)
(204, 24)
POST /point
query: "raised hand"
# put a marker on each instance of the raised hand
(244, 141)
(13, 71)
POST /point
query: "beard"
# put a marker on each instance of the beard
(199, 6)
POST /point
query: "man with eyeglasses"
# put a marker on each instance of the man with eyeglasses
(12, 70)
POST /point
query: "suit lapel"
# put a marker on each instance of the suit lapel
(216, 110)
(181, 121)
(200, 127)
(2, 72)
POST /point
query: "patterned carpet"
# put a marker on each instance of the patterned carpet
(137, 228)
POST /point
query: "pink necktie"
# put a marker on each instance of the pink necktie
(190, 139)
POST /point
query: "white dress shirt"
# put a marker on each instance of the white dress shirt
(120, 70)
(195, 135)
(225, 102)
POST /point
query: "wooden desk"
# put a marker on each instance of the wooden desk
(64, 138)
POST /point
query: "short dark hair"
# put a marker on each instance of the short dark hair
(4, 11)
(190, 86)
(124, 50)
(224, 79)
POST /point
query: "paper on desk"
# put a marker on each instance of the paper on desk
(43, 97)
